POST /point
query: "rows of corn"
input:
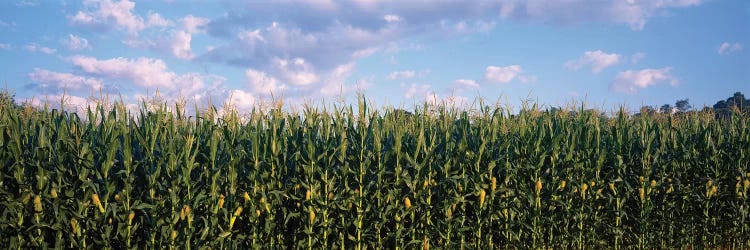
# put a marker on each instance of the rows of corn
(356, 178)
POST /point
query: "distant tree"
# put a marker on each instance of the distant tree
(683, 105)
(740, 101)
(720, 105)
(666, 108)
(735, 103)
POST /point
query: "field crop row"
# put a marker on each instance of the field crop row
(346, 178)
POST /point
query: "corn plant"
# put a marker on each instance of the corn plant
(353, 177)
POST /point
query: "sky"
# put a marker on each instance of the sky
(604, 53)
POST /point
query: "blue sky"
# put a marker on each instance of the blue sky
(603, 52)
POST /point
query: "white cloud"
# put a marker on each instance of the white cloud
(5, 46)
(146, 73)
(251, 39)
(322, 49)
(335, 82)
(392, 18)
(296, 71)
(401, 75)
(417, 90)
(105, 14)
(729, 48)
(598, 60)
(465, 84)
(324, 35)
(636, 13)
(637, 57)
(33, 47)
(63, 81)
(262, 83)
(76, 43)
(155, 20)
(193, 24)
(180, 45)
(177, 40)
(630, 81)
(506, 74)
(181, 39)
(71, 102)
(241, 100)
(289, 39)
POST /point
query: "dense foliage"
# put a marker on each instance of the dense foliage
(736, 103)
(355, 178)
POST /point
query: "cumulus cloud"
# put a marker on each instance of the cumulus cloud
(419, 16)
(465, 84)
(107, 14)
(392, 18)
(598, 60)
(634, 13)
(400, 75)
(33, 47)
(193, 24)
(71, 102)
(630, 81)
(146, 73)
(335, 82)
(180, 44)
(729, 48)
(325, 49)
(76, 43)
(5, 46)
(506, 74)
(156, 20)
(177, 40)
(142, 71)
(240, 100)
(327, 34)
(262, 83)
(63, 81)
(336, 44)
(296, 71)
(307, 46)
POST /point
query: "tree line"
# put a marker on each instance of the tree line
(735, 104)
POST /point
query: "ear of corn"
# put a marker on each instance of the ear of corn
(331, 178)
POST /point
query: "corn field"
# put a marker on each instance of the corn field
(351, 177)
